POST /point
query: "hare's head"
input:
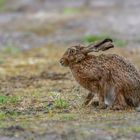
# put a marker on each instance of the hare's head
(76, 54)
(73, 55)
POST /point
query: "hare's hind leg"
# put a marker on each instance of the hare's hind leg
(119, 102)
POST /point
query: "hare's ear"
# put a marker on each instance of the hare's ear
(105, 46)
(102, 45)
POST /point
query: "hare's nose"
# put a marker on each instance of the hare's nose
(61, 61)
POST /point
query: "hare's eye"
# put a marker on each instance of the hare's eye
(72, 51)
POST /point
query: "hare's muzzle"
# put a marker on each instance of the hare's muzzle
(63, 62)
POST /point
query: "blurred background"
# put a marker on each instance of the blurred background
(39, 99)
(35, 23)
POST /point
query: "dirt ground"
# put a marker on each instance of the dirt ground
(39, 99)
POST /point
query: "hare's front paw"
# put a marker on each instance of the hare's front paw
(95, 103)
(92, 102)
(102, 106)
(89, 99)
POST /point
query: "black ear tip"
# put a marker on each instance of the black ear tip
(108, 40)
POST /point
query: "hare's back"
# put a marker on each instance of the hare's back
(122, 64)
(123, 71)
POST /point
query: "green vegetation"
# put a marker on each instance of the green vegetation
(92, 38)
(6, 104)
(11, 50)
(2, 115)
(135, 129)
(2, 3)
(60, 103)
(7, 115)
(70, 11)
(9, 99)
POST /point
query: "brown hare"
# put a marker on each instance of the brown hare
(115, 80)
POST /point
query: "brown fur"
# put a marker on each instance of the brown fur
(112, 77)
